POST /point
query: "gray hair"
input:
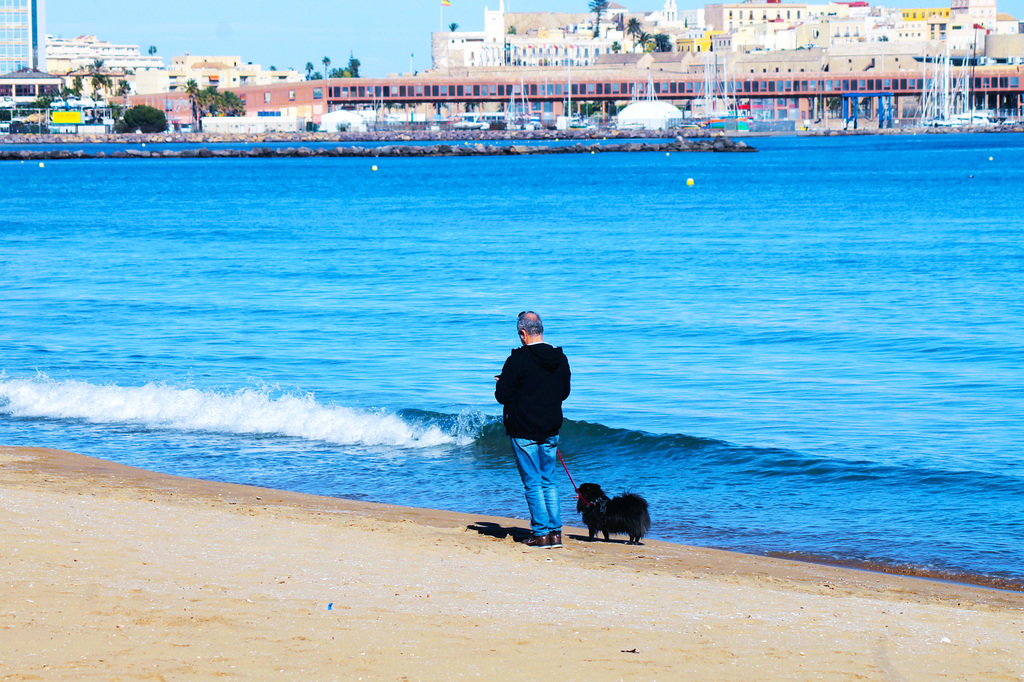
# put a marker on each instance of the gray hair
(529, 322)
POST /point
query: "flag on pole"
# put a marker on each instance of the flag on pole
(446, 3)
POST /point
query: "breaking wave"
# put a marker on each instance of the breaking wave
(247, 411)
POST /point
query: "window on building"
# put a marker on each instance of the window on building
(266, 98)
(318, 93)
(291, 95)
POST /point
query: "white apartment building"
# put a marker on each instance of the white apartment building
(981, 12)
(220, 71)
(529, 39)
(64, 55)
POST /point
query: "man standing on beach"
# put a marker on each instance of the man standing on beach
(531, 387)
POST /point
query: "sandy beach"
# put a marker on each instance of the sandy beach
(116, 573)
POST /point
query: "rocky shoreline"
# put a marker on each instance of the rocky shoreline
(680, 144)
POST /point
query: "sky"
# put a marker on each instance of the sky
(387, 36)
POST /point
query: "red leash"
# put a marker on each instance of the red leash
(559, 452)
(578, 496)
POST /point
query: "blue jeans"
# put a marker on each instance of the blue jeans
(537, 461)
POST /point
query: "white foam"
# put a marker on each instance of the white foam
(246, 411)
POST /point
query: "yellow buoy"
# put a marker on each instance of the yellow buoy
(689, 182)
(373, 168)
(666, 153)
(990, 158)
(41, 165)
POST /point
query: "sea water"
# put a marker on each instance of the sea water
(813, 351)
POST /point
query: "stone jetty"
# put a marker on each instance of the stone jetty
(680, 144)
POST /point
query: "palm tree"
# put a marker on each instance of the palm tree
(100, 82)
(662, 43)
(598, 7)
(231, 104)
(209, 101)
(97, 78)
(124, 88)
(643, 40)
(453, 27)
(616, 48)
(326, 61)
(193, 92)
(634, 29)
(309, 70)
(152, 50)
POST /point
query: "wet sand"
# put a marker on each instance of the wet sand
(111, 572)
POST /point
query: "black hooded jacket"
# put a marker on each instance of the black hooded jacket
(532, 385)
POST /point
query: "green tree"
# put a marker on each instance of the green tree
(616, 48)
(193, 91)
(152, 50)
(645, 41)
(634, 29)
(353, 66)
(210, 101)
(144, 118)
(453, 27)
(511, 30)
(326, 61)
(124, 88)
(309, 69)
(231, 104)
(662, 43)
(99, 80)
(598, 7)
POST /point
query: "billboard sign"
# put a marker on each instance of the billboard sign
(67, 117)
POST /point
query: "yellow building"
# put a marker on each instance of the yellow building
(696, 43)
(924, 23)
(924, 14)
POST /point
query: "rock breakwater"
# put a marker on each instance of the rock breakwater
(680, 144)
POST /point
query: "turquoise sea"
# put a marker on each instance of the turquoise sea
(816, 351)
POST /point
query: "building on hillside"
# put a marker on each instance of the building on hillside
(220, 71)
(64, 55)
(919, 23)
(22, 35)
(1006, 24)
(696, 41)
(981, 12)
(736, 15)
(527, 39)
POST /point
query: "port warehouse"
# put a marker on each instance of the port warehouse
(773, 97)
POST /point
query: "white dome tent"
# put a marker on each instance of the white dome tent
(649, 115)
(342, 119)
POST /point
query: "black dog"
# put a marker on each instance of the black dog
(626, 513)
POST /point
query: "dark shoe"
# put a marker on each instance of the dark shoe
(536, 541)
(554, 539)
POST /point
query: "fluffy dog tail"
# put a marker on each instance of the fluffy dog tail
(633, 515)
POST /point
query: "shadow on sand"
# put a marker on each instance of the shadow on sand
(496, 530)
